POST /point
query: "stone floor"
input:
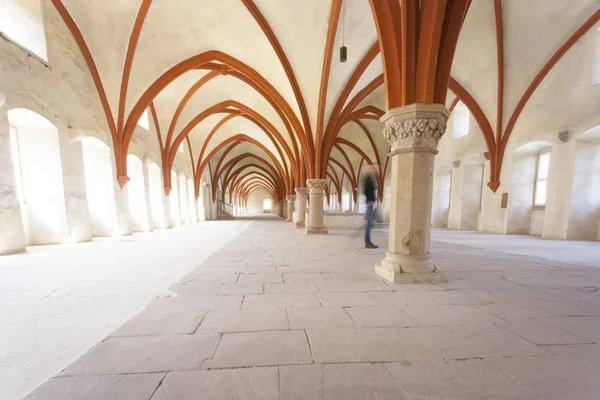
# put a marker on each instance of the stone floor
(276, 314)
(58, 301)
(567, 251)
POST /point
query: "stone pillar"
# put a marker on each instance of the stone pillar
(12, 234)
(76, 205)
(290, 207)
(168, 221)
(560, 205)
(124, 225)
(315, 225)
(412, 132)
(150, 222)
(301, 198)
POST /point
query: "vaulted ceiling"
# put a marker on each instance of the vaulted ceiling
(258, 83)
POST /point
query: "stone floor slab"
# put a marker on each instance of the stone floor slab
(234, 384)
(572, 308)
(301, 382)
(456, 380)
(540, 333)
(406, 298)
(590, 352)
(368, 345)
(194, 304)
(553, 377)
(125, 355)
(260, 278)
(476, 341)
(319, 318)
(99, 387)
(584, 327)
(244, 321)
(444, 315)
(229, 289)
(380, 317)
(339, 382)
(291, 287)
(346, 299)
(261, 349)
(308, 277)
(280, 301)
(520, 310)
(257, 270)
(168, 322)
(353, 287)
(500, 296)
(195, 288)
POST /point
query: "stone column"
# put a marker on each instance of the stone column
(12, 234)
(124, 225)
(412, 132)
(315, 225)
(168, 218)
(76, 204)
(150, 222)
(301, 198)
(290, 207)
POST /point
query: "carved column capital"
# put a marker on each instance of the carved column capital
(302, 192)
(290, 197)
(316, 186)
(415, 128)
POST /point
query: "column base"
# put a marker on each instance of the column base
(397, 268)
(316, 230)
(299, 224)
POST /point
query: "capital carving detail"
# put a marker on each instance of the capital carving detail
(425, 128)
(290, 197)
(301, 191)
(316, 186)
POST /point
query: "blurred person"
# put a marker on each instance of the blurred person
(370, 191)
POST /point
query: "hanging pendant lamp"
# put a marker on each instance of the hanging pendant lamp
(343, 49)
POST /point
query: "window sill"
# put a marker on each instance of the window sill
(539, 208)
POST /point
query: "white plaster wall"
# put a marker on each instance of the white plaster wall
(78, 215)
(21, 20)
(12, 235)
(99, 185)
(536, 224)
(492, 218)
(471, 196)
(520, 199)
(384, 209)
(441, 198)
(465, 197)
(255, 202)
(456, 187)
(43, 188)
(584, 213)
(560, 180)
(63, 92)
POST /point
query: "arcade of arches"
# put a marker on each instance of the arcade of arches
(121, 118)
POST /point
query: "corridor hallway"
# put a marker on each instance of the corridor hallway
(275, 314)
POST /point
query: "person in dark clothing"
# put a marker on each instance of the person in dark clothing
(370, 192)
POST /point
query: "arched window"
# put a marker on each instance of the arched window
(267, 205)
(144, 122)
(541, 179)
(21, 22)
(596, 66)
(460, 121)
